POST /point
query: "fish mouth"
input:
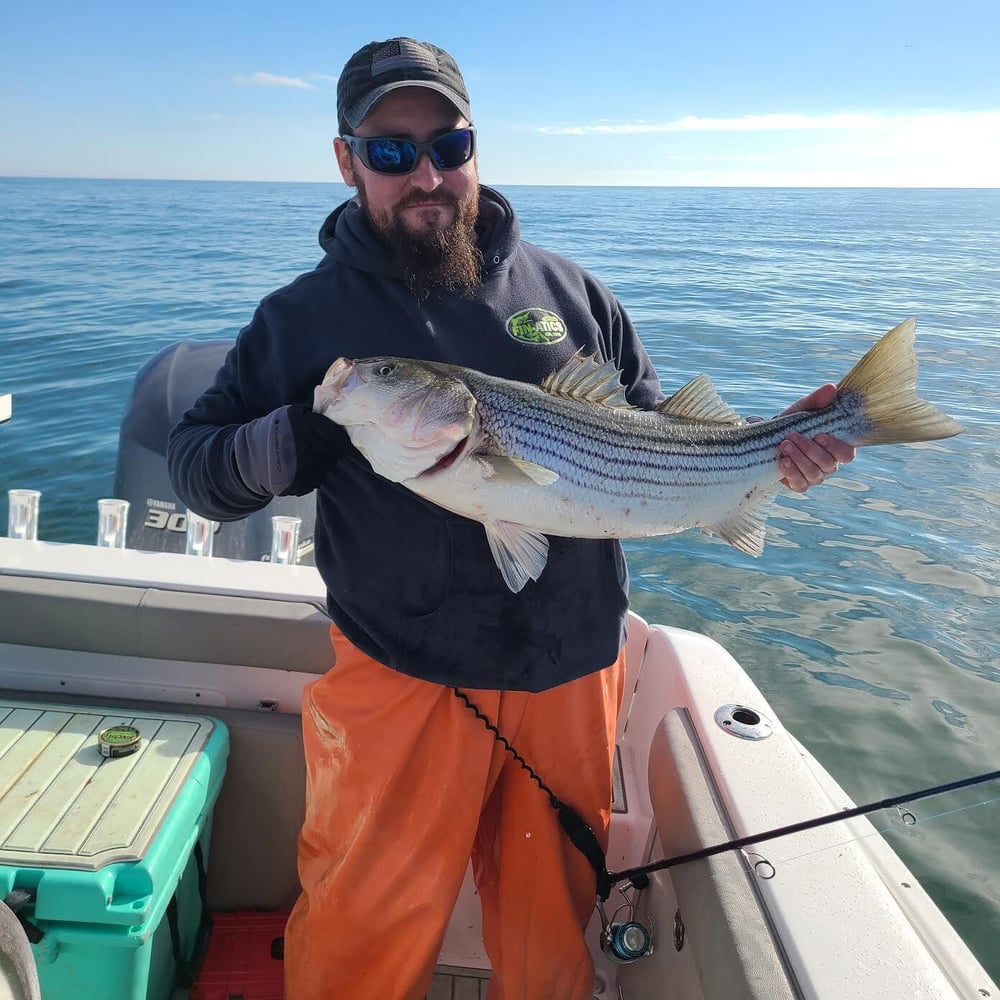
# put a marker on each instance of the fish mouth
(337, 378)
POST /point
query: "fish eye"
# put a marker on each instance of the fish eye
(385, 369)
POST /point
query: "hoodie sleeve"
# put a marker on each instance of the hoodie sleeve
(619, 340)
(642, 384)
(202, 447)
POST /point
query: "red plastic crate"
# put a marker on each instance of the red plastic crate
(245, 957)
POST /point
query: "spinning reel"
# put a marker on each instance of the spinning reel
(628, 935)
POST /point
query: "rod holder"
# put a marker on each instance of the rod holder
(200, 534)
(22, 514)
(285, 539)
(112, 521)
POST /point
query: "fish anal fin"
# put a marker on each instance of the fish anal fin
(520, 553)
(699, 401)
(588, 379)
(745, 529)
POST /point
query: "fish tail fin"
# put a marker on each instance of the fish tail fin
(886, 381)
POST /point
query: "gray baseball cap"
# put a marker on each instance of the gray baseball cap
(380, 67)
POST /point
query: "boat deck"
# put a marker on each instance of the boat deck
(454, 984)
(460, 984)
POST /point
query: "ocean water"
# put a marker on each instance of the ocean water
(871, 622)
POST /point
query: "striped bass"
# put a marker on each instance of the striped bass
(572, 457)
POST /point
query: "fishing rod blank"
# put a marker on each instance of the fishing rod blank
(640, 872)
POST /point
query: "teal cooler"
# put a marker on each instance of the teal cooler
(110, 850)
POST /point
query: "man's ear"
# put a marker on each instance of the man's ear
(345, 161)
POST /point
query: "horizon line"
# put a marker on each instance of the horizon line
(747, 185)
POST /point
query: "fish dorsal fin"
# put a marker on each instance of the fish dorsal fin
(590, 380)
(698, 401)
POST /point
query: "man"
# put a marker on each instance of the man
(404, 781)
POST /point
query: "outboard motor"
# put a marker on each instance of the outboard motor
(164, 388)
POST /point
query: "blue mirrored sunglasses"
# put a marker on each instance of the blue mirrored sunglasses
(386, 155)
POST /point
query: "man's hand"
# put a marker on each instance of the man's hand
(806, 461)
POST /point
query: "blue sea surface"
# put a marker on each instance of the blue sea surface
(871, 622)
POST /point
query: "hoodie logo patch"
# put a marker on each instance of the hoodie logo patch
(536, 326)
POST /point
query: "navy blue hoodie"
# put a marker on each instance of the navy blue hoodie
(412, 585)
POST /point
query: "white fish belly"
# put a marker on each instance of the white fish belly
(573, 511)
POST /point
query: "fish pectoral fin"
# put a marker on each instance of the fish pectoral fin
(699, 401)
(505, 469)
(746, 528)
(536, 473)
(519, 552)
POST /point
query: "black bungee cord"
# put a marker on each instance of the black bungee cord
(576, 828)
(585, 840)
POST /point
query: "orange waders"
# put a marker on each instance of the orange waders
(404, 783)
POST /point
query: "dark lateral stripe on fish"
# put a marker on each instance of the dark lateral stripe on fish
(598, 454)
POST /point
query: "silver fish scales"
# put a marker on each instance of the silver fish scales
(571, 457)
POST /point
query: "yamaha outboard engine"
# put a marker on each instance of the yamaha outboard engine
(164, 388)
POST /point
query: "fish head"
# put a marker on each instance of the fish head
(404, 416)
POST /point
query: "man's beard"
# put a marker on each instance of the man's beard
(431, 259)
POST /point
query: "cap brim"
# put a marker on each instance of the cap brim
(359, 112)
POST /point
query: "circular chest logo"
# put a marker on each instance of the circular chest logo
(536, 326)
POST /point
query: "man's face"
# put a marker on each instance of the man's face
(426, 200)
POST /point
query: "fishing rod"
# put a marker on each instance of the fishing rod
(638, 875)
(585, 840)
(625, 940)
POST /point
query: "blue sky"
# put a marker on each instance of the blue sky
(858, 92)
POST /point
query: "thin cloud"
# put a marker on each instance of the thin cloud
(270, 80)
(779, 122)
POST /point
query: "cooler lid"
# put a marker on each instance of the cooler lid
(63, 804)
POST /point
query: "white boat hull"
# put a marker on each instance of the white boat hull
(841, 917)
